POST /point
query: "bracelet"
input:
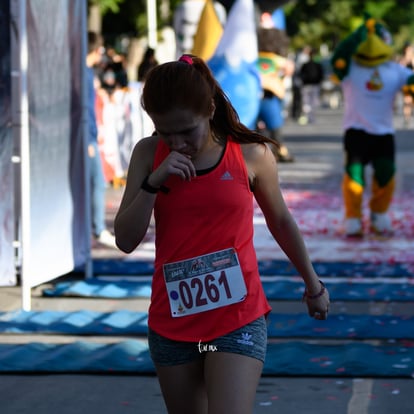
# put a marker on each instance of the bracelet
(146, 186)
(149, 188)
(318, 295)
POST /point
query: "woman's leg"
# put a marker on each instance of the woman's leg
(231, 381)
(183, 388)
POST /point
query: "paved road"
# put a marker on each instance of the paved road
(318, 164)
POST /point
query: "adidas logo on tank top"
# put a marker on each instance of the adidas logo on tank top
(226, 176)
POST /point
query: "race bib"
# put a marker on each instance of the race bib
(204, 283)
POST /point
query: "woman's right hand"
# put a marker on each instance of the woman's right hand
(175, 163)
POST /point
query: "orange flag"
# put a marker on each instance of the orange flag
(208, 34)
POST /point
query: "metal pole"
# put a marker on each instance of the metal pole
(24, 158)
(152, 23)
(85, 143)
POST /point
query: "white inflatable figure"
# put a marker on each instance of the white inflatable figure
(234, 62)
(185, 22)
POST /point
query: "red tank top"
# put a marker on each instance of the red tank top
(211, 213)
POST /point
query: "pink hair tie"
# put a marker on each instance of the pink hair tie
(186, 59)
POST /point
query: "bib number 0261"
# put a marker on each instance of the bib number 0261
(205, 292)
(197, 292)
(204, 283)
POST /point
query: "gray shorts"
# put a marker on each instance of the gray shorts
(250, 340)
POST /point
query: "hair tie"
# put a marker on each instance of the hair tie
(186, 59)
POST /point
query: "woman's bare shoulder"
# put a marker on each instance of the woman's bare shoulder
(254, 152)
(146, 146)
(259, 160)
(144, 152)
(147, 143)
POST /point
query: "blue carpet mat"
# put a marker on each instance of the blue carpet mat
(283, 359)
(274, 290)
(392, 358)
(268, 268)
(74, 323)
(126, 322)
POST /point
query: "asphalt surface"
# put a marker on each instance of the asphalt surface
(318, 153)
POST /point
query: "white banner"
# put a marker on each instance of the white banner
(7, 270)
(52, 200)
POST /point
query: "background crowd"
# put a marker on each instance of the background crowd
(307, 86)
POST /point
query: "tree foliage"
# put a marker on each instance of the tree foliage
(108, 5)
(129, 17)
(317, 22)
(312, 22)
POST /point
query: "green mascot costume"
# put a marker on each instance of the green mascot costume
(370, 80)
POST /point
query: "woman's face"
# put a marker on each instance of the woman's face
(183, 131)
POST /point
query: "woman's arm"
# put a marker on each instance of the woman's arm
(134, 213)
(263, 172)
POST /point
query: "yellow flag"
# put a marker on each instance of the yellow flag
(208, 32)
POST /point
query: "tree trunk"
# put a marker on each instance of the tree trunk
(95, 19)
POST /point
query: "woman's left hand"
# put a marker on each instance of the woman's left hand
(318, 308)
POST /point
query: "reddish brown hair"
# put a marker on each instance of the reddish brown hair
(189, 84)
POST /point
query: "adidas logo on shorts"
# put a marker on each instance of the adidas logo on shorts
(245, 339)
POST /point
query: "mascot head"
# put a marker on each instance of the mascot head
(369, 45)
(376, 48)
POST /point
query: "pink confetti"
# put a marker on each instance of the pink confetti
(319, 215)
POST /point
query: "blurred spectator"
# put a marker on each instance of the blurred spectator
(311, 75)
(108, 79)
(301, 58)
(97, 180)
(115, 132)
(114, 75)
(149, 61)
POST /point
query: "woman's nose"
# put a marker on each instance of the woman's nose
(176, 143)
